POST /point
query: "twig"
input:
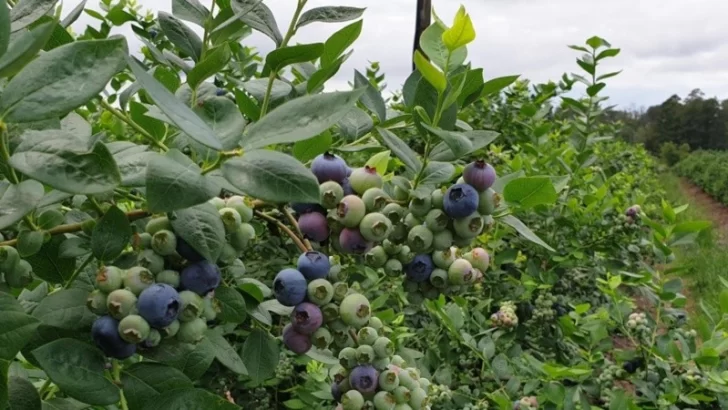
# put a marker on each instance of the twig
(285, 229)
(120, 115)
(293, 222)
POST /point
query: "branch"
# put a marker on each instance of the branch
(293, 222)
(285, 229)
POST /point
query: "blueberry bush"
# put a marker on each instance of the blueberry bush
(195, 226)
(707, 170)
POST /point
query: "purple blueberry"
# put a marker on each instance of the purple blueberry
(290, 287)
(105, 333)
(201, 277)
(364, 379)
(220, 92)
(460, 201)
(306, 318)
(159, 305)
(296, 342)
(346, 185)
(479, 174)
(314, 226)
(329, 167)
(420, 269)
(352, 241)
(188, 252)
(314, 265)
(304, 208)
(336, 392)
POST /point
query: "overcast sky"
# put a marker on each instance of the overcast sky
(668, 46)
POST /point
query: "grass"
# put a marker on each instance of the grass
(707, 260)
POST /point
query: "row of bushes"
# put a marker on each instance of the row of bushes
(708, 170)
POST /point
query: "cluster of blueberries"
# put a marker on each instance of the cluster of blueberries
(170, 290)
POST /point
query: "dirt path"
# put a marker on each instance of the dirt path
(718, 212)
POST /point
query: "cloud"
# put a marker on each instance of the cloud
(667, 47)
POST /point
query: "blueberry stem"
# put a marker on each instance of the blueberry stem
(120, 115)
(294, 223)
(285, 229)
(77, 271)
(117, 380)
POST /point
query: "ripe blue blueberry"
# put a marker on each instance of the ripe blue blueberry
(479, 175)
(420, 269)
(336, 392)
(220, 92)
(346, 186)
(289, 287)
(460, 201)
(105, 333)
(314, 265)
(352, 241)
(306, 318)
(329, 167)
(364, 379)
(186, 251)
(314, 226)
(296, 342)
(201, 277)
(159, 305)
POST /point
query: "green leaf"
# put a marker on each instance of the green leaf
(4, 367)
(24, 48)
(433, 76)
(110, 235)
(272, 176)
(437, 173)
(182, 116)
(27, 12)
(330, 14)
(172, 185)
(300, 119)
(260, 355)
(724, 301)
(260, 18)
(285, 56)
(4, 32)
(73, 15)
(16, 327)
(400, 149)
(530, 191)
(497, 84)
(232, 305)
(131, 159)
(78, 369)
(224, 353)
(339, 42)
(49, 265)
(181, 35)
(689, 226)
(22, 394)
(479, 139)
(62, 79)
(319, 78)
(247, 105)
(458, 143)
(461, 33)
(214, 61)
(63, 404)
(65, 309)
(310, 148)
(434, 48)
(200, 226)
(380, 161)
(190, 10)
(16, 201)
(146, 381)
(610, 52)
(355, 123)
(257, 88)
(192, 360)
(189, 399)
(65, 162)
(519, 226)
(372, 98)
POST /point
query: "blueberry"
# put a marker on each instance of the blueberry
(376, 258)
(192, 331)
(395, 212)
(418, 398)
(479, 175)
(479, 258)
(303, 208)
(230, 218)
(402, 394)
(420, 206)
(375, 199)
(393, 268)
(134, 329)
(442, 240)
(439, 278)
(365, 354)
(306, 318)
(157, 224)
(171, 330)
(419, 238)
(121, 303)
(220, 92)
(153, 33)
(191, 306)
(321, 338)
(383, 347)
(329, 167)
(367, 335)
(470, 226)
(296, 342)
(410, 221)
(391, 248)
(164, 242)
(365, 178)
(186, 251)
(347, 357)
(420, 269)
(346, 186)
(352, 241)
(320, 292)
(405, 255)
(150, 260)
(9, 257)
(330, 193)
(314, 226)
(218, 202)
(237, 202)
(388, 380)
(105, 333)
(341, 290)
(401, 194)
(364, 379)
(375, 227)
(352, 400)
(488, 201)
(384, 400)
(201, 277)
(313, 265)
(355, 310)
(336, 392)
(169, 277)
(211, 308)
(460, 272)
(96, 302)
(437, 198)
(109, 278)
(351, 211)
(290, 287)
(460, 201)
(159, 305)
(153, 339)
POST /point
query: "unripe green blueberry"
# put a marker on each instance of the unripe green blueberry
(239, 239)
(383, 347)
(164, 242)
(347, 357)
(400, 194)
(436, 220)
(376, 257)
(362, 179)
(409, 379)
(375, 199)
(460, 272)
(211, 307)
(395, 212)
(169, 277)
(96, 302)
(237, 202)
(8, 258)
(479, 258)
(230, 219)
(343, 338)
(488, 201)
(228, 255)
(320, 292)
(219, 203)
(192, 331)
(138, 278)
(365, 354)
(150, 260)
(418, 398)
(388, 380)
(153, 339)
(381, 363)
(330, 194)
(439, 278)
(376, 323)
(321, 338)
(425, 384)
(442, 241)
(109, 278)
(384, 400)
(398, 234)
(350, 211)
(121, 303)
(367, 335)
(391, 248)
(419, 239)
(352, 400)
(144, 241)
(461, 242)
(330, 312)
(398, 361)
(355, 310)
(157, 224)
(420, 206)
(470, 226)
(341, 289)
(171, 330)
(437, 197)
(410, 221)
(401, 393)
(192, 306)
(393, 268)
(134, 329)
(375, 227)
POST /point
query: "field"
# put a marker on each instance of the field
(194, 225)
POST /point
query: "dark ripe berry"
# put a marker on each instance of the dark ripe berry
(460, 201)
(306, 318)
(420, 269)
(351, 211)
(220, 92)
(289, 287)
(329, 167)
(303, 208)
(470, 226)
(375, 199)
(134, 329)
(346, 186)
(336, 392)
(355, 310)
(488, 201)
(633, 365)
(479, 174)
(364, 379)
(365, 178)
(202, 277)
(314, 265)
(105, 334)
(314, 226)
(395, 212)
(352, 241)
(298, 343)
(186, 251)
(375, 227)
(159, 305)
(460, 272)
(153, 33)
(419, 238)
(330, 193)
